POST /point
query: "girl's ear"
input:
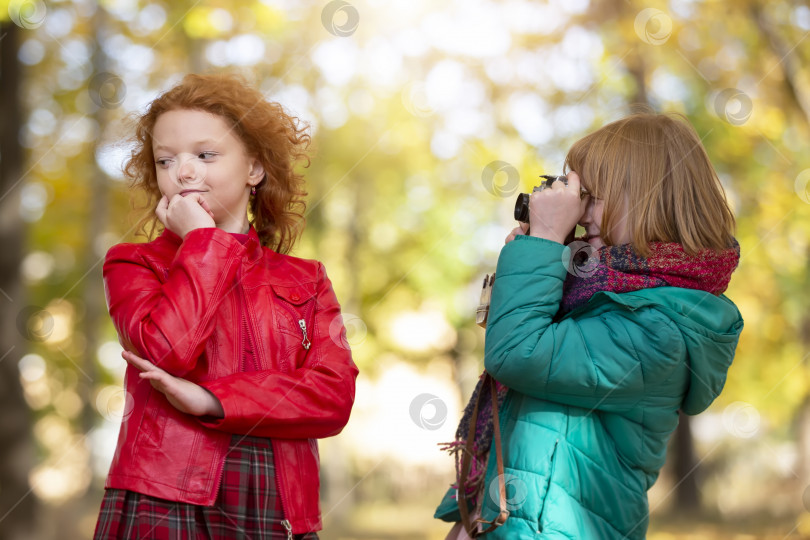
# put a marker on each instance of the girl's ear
(256, 171)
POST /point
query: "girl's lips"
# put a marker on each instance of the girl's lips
(187, 191)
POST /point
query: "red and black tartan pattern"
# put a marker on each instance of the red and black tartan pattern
(247, 507)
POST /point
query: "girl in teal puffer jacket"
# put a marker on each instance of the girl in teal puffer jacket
(594, 358)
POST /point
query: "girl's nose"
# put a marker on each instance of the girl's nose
(191, 170)
(587, 217)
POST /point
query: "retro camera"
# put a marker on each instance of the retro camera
(522, 203)
(522, 215)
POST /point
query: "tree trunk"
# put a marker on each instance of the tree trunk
(17, 504)
(684, 467)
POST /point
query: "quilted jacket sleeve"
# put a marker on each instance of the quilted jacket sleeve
(169, 320)
(313, 401)
(607, 360)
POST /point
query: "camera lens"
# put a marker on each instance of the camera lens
(522, 208)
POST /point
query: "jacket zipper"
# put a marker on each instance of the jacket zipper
(242, 362)
(309, 309)
(245, 334)
(286, 524)
(302, 323)
(305, 342)
(284, 508)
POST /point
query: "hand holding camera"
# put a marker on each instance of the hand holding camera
(551, 211)
(553, 208)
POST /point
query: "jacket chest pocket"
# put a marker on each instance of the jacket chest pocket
(295, 315)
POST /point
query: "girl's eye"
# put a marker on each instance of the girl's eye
(206, 155)
(162, 162)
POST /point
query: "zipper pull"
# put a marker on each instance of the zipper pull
(286, 524)
(305, 342)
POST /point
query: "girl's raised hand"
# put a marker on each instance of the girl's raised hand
(184, 395)
(555, 212)
(183, 214)
(517, 231)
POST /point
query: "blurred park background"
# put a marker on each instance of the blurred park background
(427, 119)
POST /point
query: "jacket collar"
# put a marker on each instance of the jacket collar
(252, 244)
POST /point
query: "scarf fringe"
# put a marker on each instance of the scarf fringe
(475, 478)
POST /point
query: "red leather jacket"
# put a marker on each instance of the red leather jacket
(180, 303)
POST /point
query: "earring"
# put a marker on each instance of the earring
(253, 190)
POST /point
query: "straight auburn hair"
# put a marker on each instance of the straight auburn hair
(655, 167)
(276, 139)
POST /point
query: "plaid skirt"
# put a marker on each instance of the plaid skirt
(247, 506)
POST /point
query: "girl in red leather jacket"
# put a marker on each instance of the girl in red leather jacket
(238, 359)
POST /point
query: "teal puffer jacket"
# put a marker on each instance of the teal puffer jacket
(594, 396)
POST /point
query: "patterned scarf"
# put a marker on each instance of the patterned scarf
(612, 268)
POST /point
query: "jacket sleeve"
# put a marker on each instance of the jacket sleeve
(608, 360)
(168, 321)
(313, 401)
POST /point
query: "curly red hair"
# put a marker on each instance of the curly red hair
(278, 140)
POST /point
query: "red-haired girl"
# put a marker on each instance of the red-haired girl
(237, 353)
